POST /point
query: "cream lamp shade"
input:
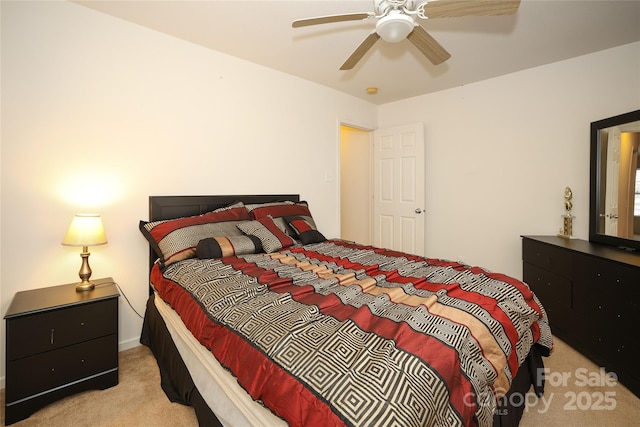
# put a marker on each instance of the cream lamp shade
(85, 230)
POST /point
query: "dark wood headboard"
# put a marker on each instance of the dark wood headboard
(170, 207)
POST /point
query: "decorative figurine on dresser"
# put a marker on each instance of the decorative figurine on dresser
(567, 218)
(59, 341)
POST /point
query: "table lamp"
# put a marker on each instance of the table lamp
(85, 230)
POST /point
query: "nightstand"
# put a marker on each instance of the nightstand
(59, 342)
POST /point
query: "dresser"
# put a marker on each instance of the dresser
(591, 293)
(59, 342)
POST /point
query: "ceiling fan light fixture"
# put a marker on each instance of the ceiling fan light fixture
(395, 27)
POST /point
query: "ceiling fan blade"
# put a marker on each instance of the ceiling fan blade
(360, 51)
(331, 18)
(454, 8)
(428, 45)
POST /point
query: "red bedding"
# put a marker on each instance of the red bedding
(342, 334)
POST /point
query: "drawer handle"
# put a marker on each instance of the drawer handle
(52, 330)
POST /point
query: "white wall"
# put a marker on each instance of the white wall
(500, 152)
(98, 114)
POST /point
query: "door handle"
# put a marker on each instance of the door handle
(418, 210)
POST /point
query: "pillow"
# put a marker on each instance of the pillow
(305, 231)
(278, 210)
(176, 239)
(222, 246)
(265, 229)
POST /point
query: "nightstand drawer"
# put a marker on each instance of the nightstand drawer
(59, 367)
(46, 331)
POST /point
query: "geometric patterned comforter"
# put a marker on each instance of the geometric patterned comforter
(336, 333)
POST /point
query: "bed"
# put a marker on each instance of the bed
(256, 318)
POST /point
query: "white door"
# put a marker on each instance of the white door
(398, 188)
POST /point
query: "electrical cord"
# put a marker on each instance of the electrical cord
(123, 294)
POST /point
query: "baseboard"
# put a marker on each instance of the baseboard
(128, 344)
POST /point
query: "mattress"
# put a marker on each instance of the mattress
(231, 404)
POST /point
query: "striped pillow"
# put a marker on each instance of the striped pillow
(223, 246)
(265, 229)
(176, 239)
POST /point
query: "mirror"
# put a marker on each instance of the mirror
(614, 214)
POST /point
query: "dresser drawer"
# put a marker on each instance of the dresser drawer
(45, 371)
(553, 291)
(614, 348)
(46, 331)
(547, 257)
(608, 291)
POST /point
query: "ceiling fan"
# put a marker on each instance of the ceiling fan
(396, 21)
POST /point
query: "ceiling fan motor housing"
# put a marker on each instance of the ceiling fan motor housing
(395, 27)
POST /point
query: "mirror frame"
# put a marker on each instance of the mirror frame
(595, 178)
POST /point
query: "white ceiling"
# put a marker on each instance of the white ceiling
(542, 32)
